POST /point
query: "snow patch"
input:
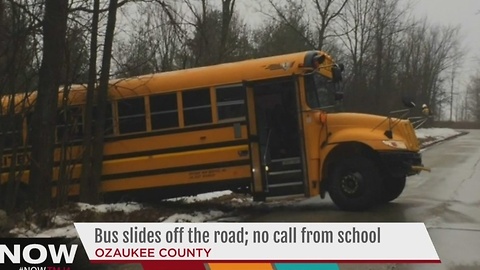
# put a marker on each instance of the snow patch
(428, 136)
(33, 231)
(61, 220)
(105, 208)
(67, 231)
(194, 217)
(242, 201)
(202, 197)
(439, 133)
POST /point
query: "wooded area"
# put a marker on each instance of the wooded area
(51, 44)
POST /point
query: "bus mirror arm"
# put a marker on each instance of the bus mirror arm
(392, 124)
(418, 121)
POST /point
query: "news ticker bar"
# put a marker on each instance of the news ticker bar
(220, 266)
(257, 242)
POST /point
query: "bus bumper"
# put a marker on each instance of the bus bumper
(418, 169)
(402, 163)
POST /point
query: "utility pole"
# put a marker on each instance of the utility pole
(451, 93)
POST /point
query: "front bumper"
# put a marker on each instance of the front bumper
(399, 164)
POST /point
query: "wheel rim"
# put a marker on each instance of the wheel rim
(351, 183)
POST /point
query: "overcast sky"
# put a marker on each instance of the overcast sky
(463, 13)
(466, 14)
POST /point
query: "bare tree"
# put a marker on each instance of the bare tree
(472, 99)
(44, 118)
(440, 52)
(392, 56)
(19, 51)
(156, 38)
(322, 12)
(102, 96)
(357, 35)
(287, 33)
(327, 11)
(69, 118)
(89, 185)
(216, 35)
(228, 7)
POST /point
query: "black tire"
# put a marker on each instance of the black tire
(355, 184)
(392, 188)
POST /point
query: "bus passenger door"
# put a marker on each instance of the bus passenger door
(275, 140)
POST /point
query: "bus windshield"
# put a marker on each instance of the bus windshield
(320, 91)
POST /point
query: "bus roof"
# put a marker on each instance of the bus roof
(202, 77)
(222, 74)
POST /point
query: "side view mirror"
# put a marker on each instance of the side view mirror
(337, 73)
(341, 67)
(408, 102)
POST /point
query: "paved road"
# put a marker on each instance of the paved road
(447, 200)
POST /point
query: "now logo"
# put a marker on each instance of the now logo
(38, 254)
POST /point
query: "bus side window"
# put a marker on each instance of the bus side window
(197, 108)
(108, 119)
(11, 129)
(131, 115)
(164, 111)
(231, 102)
(70, 124)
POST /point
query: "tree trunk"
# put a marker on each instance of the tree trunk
(379, 53)
(99, 131)
(227, 13)
(63, 180)
(88, 185)
(44, 117)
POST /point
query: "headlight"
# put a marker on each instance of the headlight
(395, 144)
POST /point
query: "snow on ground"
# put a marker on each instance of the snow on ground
(194, 217)
(428, 136)
(127, 207)
(62, 224)
(33, 231)
(438, 133)
(61, 220)
(202, 197)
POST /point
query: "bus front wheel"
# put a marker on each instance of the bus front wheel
(392, 188)
(355, 183)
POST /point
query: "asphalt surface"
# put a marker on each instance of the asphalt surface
(447, 200)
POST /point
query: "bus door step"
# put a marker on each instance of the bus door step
(285, 177)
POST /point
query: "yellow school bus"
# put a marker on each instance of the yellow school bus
(264, 125)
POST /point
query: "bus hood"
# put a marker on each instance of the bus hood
(373, 127)
(358, 119)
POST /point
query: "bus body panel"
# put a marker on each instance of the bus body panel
(249, 124)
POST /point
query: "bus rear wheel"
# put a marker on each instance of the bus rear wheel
(355, 184)
(392, 188)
